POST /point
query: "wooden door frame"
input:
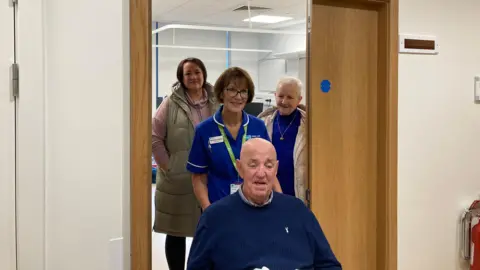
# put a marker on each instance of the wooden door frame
(140, 134)
(388, 60)
(140, 129)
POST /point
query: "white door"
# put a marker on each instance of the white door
(7, 142)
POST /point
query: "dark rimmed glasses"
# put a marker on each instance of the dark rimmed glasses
(232, 92)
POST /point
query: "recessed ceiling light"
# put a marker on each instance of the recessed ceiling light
(268, 19)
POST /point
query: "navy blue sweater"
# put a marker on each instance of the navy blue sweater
(282, 235)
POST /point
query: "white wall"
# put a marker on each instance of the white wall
(246, 60)
(439, 128)
(168, 58)
(73, 135)
(85, 131)
(285, 42)
(214, 60)
(271, 70)
(7, 144)
(265, 72)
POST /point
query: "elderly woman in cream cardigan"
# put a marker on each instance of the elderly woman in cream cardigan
(286, 125)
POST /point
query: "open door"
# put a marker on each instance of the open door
(7, 140)
(353, 129)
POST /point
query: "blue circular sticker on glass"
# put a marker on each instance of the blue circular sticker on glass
(325, 86)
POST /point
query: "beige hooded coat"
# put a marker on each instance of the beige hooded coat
(300, 150)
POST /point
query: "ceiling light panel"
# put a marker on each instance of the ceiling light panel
(267, 19)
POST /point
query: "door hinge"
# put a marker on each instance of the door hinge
(13, 3)
(14, 74)
(307, 197)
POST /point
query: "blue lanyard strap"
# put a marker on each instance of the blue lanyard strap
(229, 147)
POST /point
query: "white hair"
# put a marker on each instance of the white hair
(292, 81)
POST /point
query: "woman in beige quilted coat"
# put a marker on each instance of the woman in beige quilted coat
(176, 208)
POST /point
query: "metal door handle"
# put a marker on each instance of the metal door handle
(467, 218)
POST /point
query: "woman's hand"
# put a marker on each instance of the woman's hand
(276, 186)
(199, 182)
(205, 206)
(163, 167)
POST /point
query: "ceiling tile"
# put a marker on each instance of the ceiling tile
(215, 12)
(161, 6)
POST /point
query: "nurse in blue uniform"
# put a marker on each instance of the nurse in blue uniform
(218, 140)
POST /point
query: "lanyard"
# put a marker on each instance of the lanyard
(227, 143)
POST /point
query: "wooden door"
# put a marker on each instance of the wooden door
(353, 130)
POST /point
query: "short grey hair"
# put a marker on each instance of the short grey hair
(292, 81)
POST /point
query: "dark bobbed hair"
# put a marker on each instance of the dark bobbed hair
(196, 61)
(227, 77)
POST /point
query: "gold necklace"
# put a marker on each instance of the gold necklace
(279, 129)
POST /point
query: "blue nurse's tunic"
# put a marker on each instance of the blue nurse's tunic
(209, 152)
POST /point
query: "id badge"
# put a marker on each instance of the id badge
(234, 188)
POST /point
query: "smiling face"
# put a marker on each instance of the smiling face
(258, 167)
(287, 97)
(235, 95)
(193, 77)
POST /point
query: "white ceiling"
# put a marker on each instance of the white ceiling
(220, 12)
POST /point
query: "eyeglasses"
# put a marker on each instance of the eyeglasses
(232, 92)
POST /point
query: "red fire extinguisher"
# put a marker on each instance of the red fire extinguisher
(475, 250)
(471, 222)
